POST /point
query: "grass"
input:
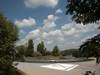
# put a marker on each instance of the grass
(45, 58)
(57, 58)
(83, 60)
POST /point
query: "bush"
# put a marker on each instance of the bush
(37, 54)
(6, 67)
(61, 57)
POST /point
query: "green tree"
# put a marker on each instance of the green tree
(41, 48)
(38, 48)
(20, 52)
(45, 52)
(55, 51)
(30, 48)
(8, 37)
(84, 11)
(85, 50)
(48, 53)
(91, 48)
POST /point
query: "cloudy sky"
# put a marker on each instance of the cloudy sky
(46, 20)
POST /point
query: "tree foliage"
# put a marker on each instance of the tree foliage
(8, 37)
(41, 48)
(20, 52)
(84, 11)
(38, 48)
(73, 52)
(91, 48)
(55, 51)
(30, 48)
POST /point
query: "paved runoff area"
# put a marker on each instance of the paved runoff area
(78, 68)
(60, 66)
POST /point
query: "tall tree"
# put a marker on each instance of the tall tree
(55, 51)
(85, 49)
(20, 52)
(38, 48)
(45, 52)
(41, 48)
(91, 47)
(84, 11)
(30, 48)
(8, 37)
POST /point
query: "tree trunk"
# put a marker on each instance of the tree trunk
(97, 60)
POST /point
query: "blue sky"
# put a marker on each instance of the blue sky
(45, 20)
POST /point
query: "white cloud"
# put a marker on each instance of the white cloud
(73, 29)
(68, 36)
(66, 27)
(50, 22)
(60, 38)
(33, 34)
(50, 42)
(25, 22)
(58, 11)
(87, 37)
(55, 33)
(22, 31)
(70, 32)
(45, 35)
(38, 3)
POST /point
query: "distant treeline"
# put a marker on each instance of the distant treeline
(28, 51)
(73, 52)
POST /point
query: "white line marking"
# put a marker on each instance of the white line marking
(60, 66)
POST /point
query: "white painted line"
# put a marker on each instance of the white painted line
(60, 66)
